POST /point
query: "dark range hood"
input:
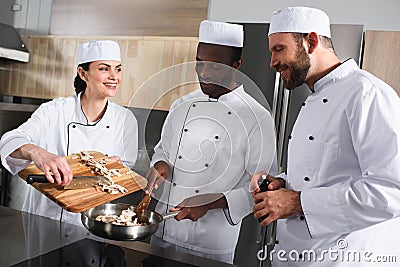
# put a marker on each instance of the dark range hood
(11, 45)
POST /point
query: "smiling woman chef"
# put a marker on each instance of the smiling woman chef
(85, 121)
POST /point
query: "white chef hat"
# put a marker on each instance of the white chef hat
(98, 50)
(221, 33)
(300, 20)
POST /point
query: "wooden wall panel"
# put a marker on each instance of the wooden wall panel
(382, 56)
(128, 18)
(52, 68)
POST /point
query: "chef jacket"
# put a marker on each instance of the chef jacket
(61, 127)
(213, 146)
(343, 155)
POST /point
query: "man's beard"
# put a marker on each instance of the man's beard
(299, 68)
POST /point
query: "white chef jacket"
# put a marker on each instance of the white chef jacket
(213, 147)
(61, 127)
(343, 155)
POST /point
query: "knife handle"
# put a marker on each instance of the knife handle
(36, 178)
(264, 187)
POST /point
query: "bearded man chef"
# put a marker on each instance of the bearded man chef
(341, 203)
(85, 121)
(212, 141)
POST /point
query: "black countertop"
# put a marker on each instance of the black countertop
(31, 240)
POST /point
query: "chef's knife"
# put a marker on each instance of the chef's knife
(78, 182)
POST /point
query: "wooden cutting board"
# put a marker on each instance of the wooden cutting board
(78, 200)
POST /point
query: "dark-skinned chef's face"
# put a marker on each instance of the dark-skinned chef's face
(216, 69)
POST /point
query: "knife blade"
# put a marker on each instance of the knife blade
(78, 182)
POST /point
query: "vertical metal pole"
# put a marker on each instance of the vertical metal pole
(276, 96)
(282, 125)
(279, 113)
(2, 187)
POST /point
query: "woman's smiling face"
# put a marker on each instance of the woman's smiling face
(103, 77)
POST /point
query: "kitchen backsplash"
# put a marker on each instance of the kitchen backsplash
(382, 56)
(52, 68)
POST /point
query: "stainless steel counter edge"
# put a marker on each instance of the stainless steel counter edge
(168, 254)
(24, 236)
(17, 107)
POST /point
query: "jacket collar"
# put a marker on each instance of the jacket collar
(80, 116)
(232, 95)
(345, 69)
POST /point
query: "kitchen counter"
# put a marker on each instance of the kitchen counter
(11, 116)
(31, 240)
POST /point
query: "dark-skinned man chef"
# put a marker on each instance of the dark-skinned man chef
(212, 141)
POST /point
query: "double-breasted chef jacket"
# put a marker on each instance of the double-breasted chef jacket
(61, 127)
(213, 146)
(343, 155)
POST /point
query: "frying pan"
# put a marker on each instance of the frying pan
(121, 232)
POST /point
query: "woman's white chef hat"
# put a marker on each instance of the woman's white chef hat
(221, 33)
(300, 20)
(98, 50)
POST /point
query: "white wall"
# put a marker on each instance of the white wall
(373, 14)
(33, 16)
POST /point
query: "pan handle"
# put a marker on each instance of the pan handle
(170, 215)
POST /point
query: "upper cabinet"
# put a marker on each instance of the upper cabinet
(382, 56)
